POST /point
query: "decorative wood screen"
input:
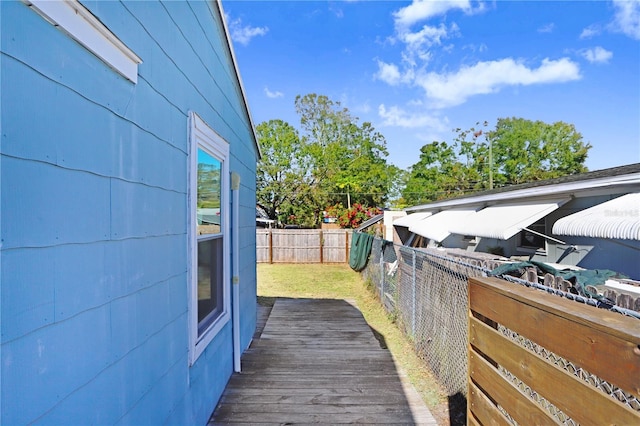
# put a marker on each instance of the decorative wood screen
(536, 358)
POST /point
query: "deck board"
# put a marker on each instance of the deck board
(317, 361)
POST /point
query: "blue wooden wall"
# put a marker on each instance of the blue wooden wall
(93, 216)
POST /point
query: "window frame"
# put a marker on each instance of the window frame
(201, 136)
(542, 223)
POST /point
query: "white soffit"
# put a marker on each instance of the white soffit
(618, 218)
(73, 18)
(437, 226)
(503, 221)
(411, 219)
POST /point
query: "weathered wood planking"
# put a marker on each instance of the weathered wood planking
(317, 361)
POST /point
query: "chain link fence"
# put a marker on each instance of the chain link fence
(427, 293)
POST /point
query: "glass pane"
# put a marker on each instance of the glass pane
(532, 240)
(208, 204)
(210, 267)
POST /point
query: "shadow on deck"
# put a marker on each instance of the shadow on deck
(317, 361)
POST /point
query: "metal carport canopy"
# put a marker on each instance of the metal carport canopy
(437, 227)
(618, 219)
(411, 219)
(503, 221)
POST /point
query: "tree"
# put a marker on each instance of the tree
(525, 151)
(516, 151)
(333, 160)
(280, 174)
(346, 160)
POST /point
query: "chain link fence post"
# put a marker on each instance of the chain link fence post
(413, 294)
(382, 276)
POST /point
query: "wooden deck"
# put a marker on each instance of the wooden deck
(317, 361)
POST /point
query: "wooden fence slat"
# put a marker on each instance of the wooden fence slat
(574, 397)
(599, 336)
(519, 406)
(481, 408)
(471, 421)
(303, 245)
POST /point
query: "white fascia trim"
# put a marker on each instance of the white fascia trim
(73, 18)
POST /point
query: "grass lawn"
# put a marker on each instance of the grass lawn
(341, 282)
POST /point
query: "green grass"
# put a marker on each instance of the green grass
(341, 282)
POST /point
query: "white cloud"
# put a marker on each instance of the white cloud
(627, 17)
(389, 73)
(476, 48)
(243, 34)
(396, 116)
(427, 35)
(447, 88)
(548, 28)
(421, 10)
(418, 44)
(589, 32)
(272, 95)
(450, 89)
(597, 55)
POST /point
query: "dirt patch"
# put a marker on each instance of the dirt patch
(452, 411)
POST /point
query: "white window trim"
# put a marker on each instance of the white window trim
(74, 19)
(204, 137)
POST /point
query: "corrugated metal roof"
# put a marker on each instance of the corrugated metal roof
(437, 227)
(505, 220)
(411, 219)
(618, 218)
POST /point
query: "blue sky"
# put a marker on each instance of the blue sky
(418, 69)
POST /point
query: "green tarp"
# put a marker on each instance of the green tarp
(360, 250)
(580, 279)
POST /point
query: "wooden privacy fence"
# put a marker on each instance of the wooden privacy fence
(303, 245)
(535, 358)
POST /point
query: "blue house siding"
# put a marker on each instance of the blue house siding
(94, 212)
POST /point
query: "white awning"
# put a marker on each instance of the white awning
(618, 218)
(437, 226)
(411, 219)
(503, 221)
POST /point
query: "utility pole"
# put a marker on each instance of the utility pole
(490, 165)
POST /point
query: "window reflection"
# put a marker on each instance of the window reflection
(208, 203)
(210, 301)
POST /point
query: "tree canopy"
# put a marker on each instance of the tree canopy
(333, 159)
(516, 151)
(281, 174)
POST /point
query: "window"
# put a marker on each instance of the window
(208, 234)
(532, 240)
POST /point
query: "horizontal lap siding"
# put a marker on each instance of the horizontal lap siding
(94, 212)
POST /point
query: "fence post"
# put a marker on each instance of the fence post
(382, 275)
(270, 246)
(321, 246)
(346, 246)
(413, 293)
